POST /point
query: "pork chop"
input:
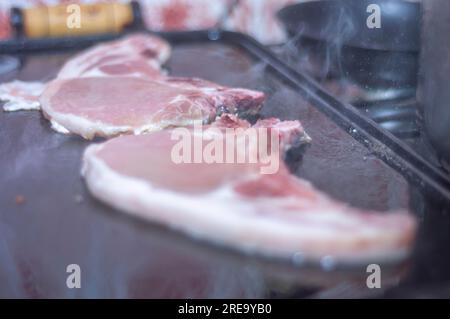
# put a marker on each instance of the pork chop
(107, 106)
(119, 87)
(237, 206)
(136, 55)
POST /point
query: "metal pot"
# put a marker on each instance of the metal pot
(385, 57)
(434, 78)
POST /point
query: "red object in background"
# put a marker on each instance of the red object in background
(5, 29)
(158, 15)
(183, 14)
(254, 17)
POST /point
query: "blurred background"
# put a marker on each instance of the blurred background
(255, 17)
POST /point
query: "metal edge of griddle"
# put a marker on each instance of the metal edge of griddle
(24, 45)
(383, 144)
(380, 142)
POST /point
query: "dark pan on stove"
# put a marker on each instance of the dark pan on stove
(374, 57)
(124, 257)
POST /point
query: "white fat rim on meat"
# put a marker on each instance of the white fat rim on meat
(88, 129)
(59, 128)
(66, 122)
(13, 105)
(211, 216)
(14, 102)
(69, 123)
(69, 71)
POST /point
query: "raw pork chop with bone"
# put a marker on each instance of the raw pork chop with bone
(233, 204)
(112, 105)
(120, 87)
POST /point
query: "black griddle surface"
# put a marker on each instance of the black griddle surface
(59, 223)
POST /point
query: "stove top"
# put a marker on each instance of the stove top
(395, 109)
(101, 240)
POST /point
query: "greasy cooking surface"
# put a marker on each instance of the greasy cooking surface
(59, 223)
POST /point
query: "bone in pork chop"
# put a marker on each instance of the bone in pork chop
(107, 106)
(136, 55)
(237, 206)
(133, 56)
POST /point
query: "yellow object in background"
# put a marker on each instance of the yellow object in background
(76, 19)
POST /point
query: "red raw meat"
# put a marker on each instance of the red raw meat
(19, 95)
(235, 205)
(112, 105)
(119, 87)
(136, 55)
